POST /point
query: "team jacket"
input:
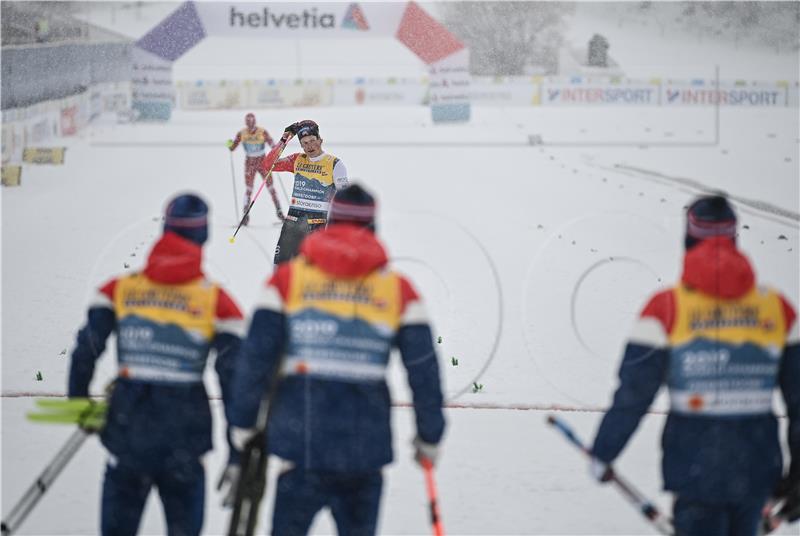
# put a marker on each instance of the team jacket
(326, 322)
(315, 180)
(166, 320)
(722, 346)
(254, 142)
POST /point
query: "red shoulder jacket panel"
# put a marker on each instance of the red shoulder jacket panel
(286, 163)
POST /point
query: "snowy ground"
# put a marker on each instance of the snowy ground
(534, 261)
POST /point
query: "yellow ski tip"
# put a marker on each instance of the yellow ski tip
(231, 240)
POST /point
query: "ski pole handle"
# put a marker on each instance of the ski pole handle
(430, 485)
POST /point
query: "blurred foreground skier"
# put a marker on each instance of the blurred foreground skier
(722, 345)
(317, 175)
(254, 139)
(325, 323)
(166, 319)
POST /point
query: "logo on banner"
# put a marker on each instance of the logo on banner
(354, 19)
(273, 19)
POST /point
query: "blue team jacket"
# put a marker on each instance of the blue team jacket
(325, 323)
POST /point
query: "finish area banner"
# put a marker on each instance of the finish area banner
(299, 19)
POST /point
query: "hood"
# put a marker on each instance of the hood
(716, 267)
(344, 250)
(174, 260)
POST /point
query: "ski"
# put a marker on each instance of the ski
(85, 412)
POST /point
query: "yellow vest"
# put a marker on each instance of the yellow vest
(313, 183)
(164, 331)
(725, 353)
(341, 328)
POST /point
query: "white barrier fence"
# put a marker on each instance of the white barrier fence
(37, 124)
(503, 91)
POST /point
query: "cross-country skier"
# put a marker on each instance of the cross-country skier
(317, 175)
(721, 345)
(254, 139)
(325, 323)
(166, 319)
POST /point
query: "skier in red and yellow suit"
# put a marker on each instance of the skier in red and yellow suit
(254, 139)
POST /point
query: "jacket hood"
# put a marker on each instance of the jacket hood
(344, 250)
(174, 259)
(716, 267)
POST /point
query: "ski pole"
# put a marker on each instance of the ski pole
(430, 485)
(235, 193)
(269, 162)
(43, 482)
(634, 496)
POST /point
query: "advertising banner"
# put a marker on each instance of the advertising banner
(44, 155)
(380, 92)
(151, 86)
(450, 88)
(8, 142)
(505, 91)
(69, 120)
(11, 175)
(307, 20)
(579, 92)
(705, 93)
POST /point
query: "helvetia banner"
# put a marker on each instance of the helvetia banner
(299, 19)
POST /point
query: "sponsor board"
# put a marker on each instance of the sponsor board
(450, 88)
(11, 175)
(151, 86)
(598, 95)
(724, 96)
(301, 19)
(69, 120)
(44, 155)
(511, 91)
(9, 142)
(230, 95)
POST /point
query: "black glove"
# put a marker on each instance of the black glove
(789, 491)
(292, 129)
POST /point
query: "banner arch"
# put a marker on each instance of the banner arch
(447, 58)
